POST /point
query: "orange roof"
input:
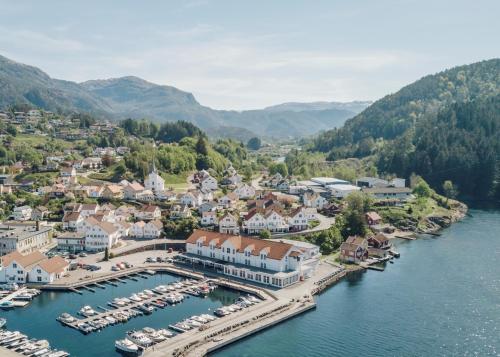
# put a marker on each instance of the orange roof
(23, 260)
(54, 265)
(107, 227)
(374, 216)
(274, 250)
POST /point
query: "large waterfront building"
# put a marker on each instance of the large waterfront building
(23, 237)
(267, 262)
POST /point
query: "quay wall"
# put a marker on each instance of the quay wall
(256, 329)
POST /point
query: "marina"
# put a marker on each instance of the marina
(38, 320)
(142, 303)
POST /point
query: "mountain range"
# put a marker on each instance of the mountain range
(133, 97)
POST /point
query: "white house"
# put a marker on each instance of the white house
(150, 230)
(49, 270)
(314, 200)
(101, 236)
(245, 191)
(88, 209)
(22, 213)
(153, 229)
(71, 220)
(209, 218)
(16, 267)
(132, 190)
(298, 219)
(228, 200)
(191, 199)
(256, 260)
(209, 183)
(387, 193)
(228, 224)
(148, 213)
(255, 222)
(180, 211)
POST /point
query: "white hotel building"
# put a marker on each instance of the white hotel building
(266, 262)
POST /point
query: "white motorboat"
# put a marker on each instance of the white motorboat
(222, 311)
(3, 322)
(87, 311)
(165, 332)
(153, 334)
(111, 320)
(66, 318)
(208, 317)
(139, 338)
(199, 319)
(119, 302)
(126, 346)
(38, 345)
(135, 297)
(192, 323)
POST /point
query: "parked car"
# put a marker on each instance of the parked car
(82, 255)
(115, 268)
(150, 260)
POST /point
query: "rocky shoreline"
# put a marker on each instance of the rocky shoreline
(436, 223)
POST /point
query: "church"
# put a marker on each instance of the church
(154, 182)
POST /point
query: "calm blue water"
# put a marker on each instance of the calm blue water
(441, 298)
(38, 320)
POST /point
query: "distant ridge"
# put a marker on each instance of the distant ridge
(133, 97)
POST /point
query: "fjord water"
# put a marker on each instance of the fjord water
(441, 298)
(38, 320)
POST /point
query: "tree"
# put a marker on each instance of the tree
(265, 234)
(280, 168)
(202, 146)
(422, 189)
(106, 254)
(12, 130)
(108, 160)
(120, 170)
(449, 189)
(254, 143)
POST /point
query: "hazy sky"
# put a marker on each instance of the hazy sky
(249, 54)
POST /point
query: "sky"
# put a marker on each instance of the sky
(240, 55)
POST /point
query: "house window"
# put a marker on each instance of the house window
(39, 278)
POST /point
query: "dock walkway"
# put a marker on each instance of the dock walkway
(131, 306)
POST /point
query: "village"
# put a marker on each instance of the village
(262, 233)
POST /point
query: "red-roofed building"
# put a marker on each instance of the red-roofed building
(263, 261)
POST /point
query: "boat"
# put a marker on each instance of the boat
(66, 318)
(126, 346)
(23, 297)
(135, 297)
(179, 327)
(139, 338)
(119, 302)
(41, 352)
(7, 305)
(221, 311)
(3, 322)
(87, 311)
(36, 346)
(253, 299)
(58, 354)
(110, 320)
(192, 323)
(208, 317)
(165, 332)
(153, 334)
(145, 308)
